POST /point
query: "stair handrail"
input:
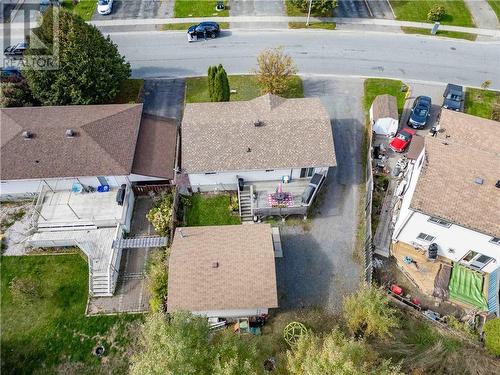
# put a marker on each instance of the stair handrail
(239, 197)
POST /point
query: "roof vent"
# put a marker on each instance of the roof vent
(27, 134)
(497, 184)
(478, 181)
(249, 149)
(215, 265)
(70, 133)
(181, 233)
(258, 124)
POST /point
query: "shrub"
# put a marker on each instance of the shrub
(160, 215)
(367, 313)
(436, 13)
(157, 280)
(274, 71)
(322, 7)
(233, 203)
(492, 336)
(16, 93)
(24, 290)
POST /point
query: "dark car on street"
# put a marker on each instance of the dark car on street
(420, 112)
(453, 97)
(9, 73)
(204, 29)
(16, 50)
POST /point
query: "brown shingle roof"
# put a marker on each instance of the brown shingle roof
(466, 148)
(103, 145)
(156, 147)
(294, 133)
(245, 277)
(385, 106)
(416, 147)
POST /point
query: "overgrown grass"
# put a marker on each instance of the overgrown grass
(197, 8)
(495, 5)
(84, 8)
(185, 26)
(443, 33)
(245, 85)
(51, 330)
(209, 209)
(482, 102)
(457, 12)
(380, 86)
(130, 91)
(315, 25)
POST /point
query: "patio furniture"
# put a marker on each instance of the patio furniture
(76, 187)
(284, 200)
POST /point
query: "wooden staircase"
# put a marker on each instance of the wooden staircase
(246, 206)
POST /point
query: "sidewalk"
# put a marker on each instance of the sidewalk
(278, 19)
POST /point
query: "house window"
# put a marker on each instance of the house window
(306, 172)
(438, 221)
(211, 173)
(476, 260)
(425, 237)
(495, 240)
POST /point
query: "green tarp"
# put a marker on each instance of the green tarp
(467, 286)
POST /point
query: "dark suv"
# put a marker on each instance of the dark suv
(454, 98)
(420, 112)
(208, 29)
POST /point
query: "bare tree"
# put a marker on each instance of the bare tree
(274, 70)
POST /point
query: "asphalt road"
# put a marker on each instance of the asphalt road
(160, 54)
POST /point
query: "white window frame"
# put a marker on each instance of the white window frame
(425, 237)
(495, 240)
(438, 221)
(473, 263)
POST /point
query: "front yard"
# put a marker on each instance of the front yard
(44, 327)
(246, 88)
(84, 8)
(443, 33)
(483, 103)
(130, 91)
(209, 209)
(457, 12)
(380, 86)
(190, 8)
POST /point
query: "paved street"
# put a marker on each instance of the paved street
(123, 9)
(407, 57)
(318, 266)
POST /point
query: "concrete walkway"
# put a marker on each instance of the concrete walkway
(484, 17)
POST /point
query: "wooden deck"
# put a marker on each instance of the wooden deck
(424, 272)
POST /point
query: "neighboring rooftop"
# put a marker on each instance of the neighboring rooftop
(222, 268)
(416, 147)
(268, 132)
(155, 153)
(462, 166)
(385, 106)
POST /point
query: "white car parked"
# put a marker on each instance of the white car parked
(104, 6)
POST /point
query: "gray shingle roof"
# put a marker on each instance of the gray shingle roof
(223, 136)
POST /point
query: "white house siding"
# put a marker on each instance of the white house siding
(229, 180)
(141, 178)
(241, 313)
(460, 239)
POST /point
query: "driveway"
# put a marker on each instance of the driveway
(363, 9)
(318, 266)
(164, 97)
(484, 17)
(258, 8)
(138, 9)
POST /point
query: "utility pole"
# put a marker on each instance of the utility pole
(309, 12)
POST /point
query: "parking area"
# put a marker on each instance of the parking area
(257, 8)
(318, 267)
(363, 9)
(123, 9)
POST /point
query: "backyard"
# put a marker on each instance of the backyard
(209, 209)
(44, 327)
(482, 103)
(457, 12)
(190, 8)
(246, 88)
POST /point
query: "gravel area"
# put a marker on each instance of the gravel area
(15, 234)
(318, 267)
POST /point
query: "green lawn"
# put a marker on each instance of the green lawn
(209, 209)
(379, 86)
(495, 5)
(457, 12)
(481, 102)
(185, 26)
(198, 8)
(447, 34)
(245, 85)
(293, 11)
(316, 25)
(84, 9)
(129, 91)
(51, 329)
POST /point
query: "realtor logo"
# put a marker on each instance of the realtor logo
(20, 33)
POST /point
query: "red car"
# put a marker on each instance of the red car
(402, 140)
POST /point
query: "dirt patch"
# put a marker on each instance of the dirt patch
(15, 223)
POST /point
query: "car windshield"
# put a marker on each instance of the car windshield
(103, 2)
(419, 111)
(403, 136)
(454, 97)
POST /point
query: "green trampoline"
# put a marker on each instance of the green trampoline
(466, 286)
